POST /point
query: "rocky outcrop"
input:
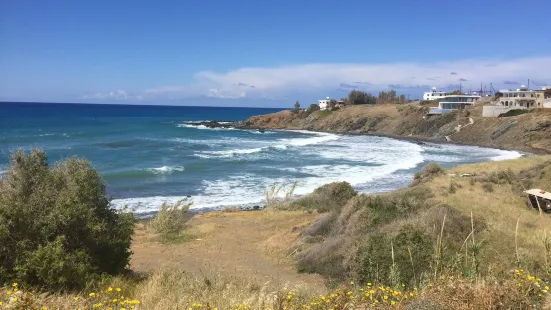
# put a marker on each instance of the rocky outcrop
(214, 124)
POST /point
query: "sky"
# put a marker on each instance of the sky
(265, 53)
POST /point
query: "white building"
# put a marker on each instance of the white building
(324, 103)
(454, 102)
(517, 99)
(521, 98)
(433, 94)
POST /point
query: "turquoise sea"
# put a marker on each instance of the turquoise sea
(148, 155)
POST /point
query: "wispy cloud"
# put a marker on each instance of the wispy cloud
(408, 86)
(120, 94)
(319, 78)
(511, 83)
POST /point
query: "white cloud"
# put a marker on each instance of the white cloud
(120, 94)
(323, 78)
(226, 93)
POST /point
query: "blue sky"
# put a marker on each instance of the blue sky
(265, 53)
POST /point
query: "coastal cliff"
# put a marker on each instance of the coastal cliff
(528, 132)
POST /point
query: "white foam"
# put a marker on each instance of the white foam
(505, 155)
(281, 144)
(165, 169)
(229, 153)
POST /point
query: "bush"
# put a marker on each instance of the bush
(427, 173)
(516, 112)
(328, 197)
(171, 220)
(488, 188)
(412, 249)
(313, 107)
(57, 228)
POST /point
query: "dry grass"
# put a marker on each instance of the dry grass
(500, 210)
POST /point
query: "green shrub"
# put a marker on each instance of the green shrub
(324, 113)
(381, 209)
(328, 197)
(412, 249)
(171, 220)
(514, 113)
(312, 108)
(57, 228)
(325, 259)
(427, 173)
(488, 188)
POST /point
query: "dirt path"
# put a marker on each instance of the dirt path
(253, 245)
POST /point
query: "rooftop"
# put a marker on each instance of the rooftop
(539, 193)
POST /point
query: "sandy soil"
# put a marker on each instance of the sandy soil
(251, 245)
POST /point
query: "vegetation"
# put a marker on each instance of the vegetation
(296, 107)
(328, 197)
(312, 108)
(361, 97)
(516, 112)
(172, 289)
(57, 228)
(427, 173)
(170, 221)
(435, 230)
(391, 97)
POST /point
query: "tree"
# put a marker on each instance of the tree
(313, 107)
(361, 97)
(297, 106)
(57, 228)
(332, 104)
(402, 98)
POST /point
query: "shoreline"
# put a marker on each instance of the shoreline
(424, 140)
(261, 205)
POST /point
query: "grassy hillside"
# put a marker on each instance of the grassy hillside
(448, 242)
(530, 131)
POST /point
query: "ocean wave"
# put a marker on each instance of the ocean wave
(165, 169)
(281, 144)
(505, 155)
(231, 153)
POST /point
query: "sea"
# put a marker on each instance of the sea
(149, 155)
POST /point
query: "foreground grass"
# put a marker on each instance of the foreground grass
(175, 289)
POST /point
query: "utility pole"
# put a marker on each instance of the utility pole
(528, 83)
(460, 92)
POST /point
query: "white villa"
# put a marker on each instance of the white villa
(433, 94)
(324, 103)
(450, 103)
(519, 99)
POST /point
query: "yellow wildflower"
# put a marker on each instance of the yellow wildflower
(92, 294)
(118, 289)
(110, 289)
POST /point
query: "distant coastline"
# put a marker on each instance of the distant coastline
(527, 133)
